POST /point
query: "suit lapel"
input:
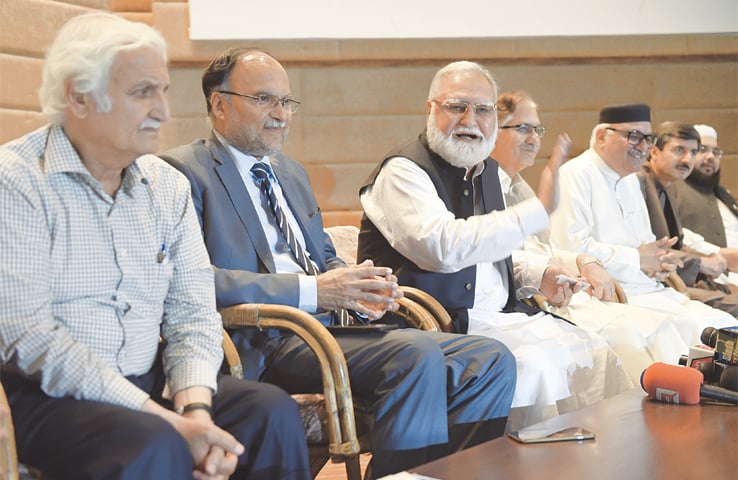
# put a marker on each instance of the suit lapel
(226, 171)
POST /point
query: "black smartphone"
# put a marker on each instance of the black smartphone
(359, 329)
(533, 435)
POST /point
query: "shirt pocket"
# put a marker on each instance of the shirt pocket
(158, 281)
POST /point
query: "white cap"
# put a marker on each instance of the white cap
(706, 131)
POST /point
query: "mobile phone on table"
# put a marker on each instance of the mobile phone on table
(539, 435)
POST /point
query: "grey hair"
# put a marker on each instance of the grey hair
(84, 51)
(595, 130)
(458, 67)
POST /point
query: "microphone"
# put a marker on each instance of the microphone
(709, 336)
(674, 384)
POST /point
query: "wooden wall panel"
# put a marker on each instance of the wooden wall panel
(361, 98)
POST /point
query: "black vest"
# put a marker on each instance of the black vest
(697, 207)
(455, 291)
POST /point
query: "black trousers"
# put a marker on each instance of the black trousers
(85, 440)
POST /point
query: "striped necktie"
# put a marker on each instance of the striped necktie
(261, 172)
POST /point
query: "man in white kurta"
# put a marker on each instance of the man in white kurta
(639, 336)
(560, 367)
(602, 213)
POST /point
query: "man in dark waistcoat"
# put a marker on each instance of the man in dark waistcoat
(435, 213)
(702, 204)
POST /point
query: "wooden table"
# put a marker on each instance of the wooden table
(636, 438)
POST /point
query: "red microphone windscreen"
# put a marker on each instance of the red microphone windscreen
(672, 383)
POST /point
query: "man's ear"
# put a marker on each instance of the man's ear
(216, 105)
(600, 136)
(77, 103)
(428, 107)
(653, 152)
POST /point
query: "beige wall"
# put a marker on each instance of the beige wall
(360, 98)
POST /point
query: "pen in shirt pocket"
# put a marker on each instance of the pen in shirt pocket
(163, 255)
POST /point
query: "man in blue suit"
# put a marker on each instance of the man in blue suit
(431, 393)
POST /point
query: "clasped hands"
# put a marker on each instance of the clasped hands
(214, 451)
(364, 288)
(658, 260)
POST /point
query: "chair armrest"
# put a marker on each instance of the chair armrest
(8, 454)
(425, 300)
(674, 281)
(538, 301)
(334, 371)
(416, 316)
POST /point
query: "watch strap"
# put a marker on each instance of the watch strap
(194, 406)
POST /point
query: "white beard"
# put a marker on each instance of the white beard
(456, 153)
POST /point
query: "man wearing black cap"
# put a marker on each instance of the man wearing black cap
(602, 213)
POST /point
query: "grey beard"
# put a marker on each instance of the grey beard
(456, 153)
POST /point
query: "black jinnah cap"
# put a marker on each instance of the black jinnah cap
(629, 113)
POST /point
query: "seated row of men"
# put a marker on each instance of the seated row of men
(103, 253)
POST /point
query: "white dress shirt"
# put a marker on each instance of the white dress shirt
(284, 260)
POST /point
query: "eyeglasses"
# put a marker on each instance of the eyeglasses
(268, 102)
(715, 151)
(459, 108)
(635, 137)
(527, 128)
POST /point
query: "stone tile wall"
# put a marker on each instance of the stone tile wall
(362, 97)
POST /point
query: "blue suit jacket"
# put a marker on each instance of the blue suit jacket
(241, 257)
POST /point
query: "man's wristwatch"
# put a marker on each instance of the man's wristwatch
(181, 410)
(587, 259)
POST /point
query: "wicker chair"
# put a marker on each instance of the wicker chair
(337, 425)
(329, 418)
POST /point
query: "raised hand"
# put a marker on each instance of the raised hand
(548, 185)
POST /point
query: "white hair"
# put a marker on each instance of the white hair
(595, 130)
(83, 52)
(457, 67)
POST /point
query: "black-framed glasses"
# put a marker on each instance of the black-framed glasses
(459, 108)
(715, 151)
(527, 128)
(266, 101)
(635, 137)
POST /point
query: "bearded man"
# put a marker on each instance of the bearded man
(435, 213)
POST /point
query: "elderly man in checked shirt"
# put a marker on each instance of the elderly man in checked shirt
(100, 253)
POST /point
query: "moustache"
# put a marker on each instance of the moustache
(467, 131)
(637, 154)
(275, 124)
(150, 123)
